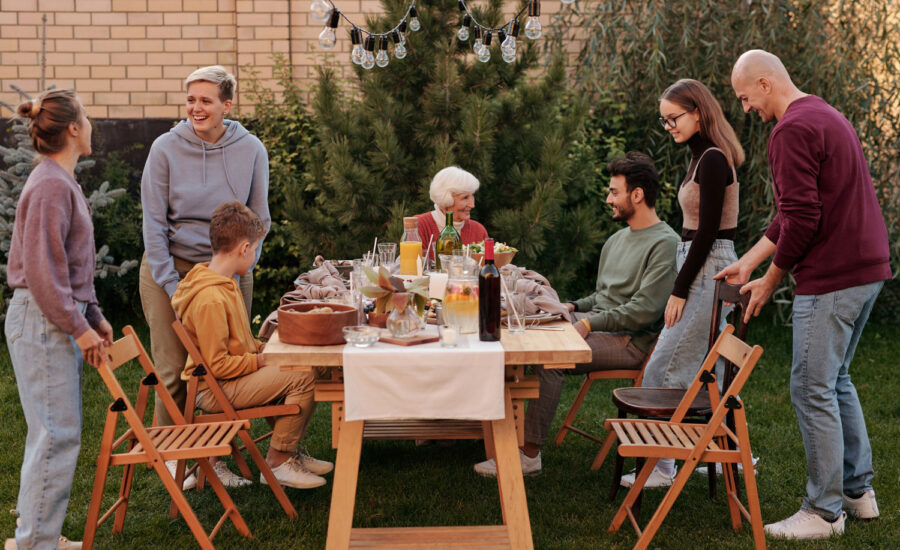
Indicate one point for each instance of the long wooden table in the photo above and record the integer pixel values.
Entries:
(552, 349)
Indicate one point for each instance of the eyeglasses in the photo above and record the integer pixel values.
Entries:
(673, 121)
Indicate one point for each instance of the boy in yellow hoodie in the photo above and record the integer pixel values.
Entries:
(211, 307)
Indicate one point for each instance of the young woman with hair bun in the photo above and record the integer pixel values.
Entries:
(53, 320)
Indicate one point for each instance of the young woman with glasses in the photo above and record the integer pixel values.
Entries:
(709, 201)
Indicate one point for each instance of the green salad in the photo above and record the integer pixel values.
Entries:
(499, 248)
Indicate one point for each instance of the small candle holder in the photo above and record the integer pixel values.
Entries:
(449, 336)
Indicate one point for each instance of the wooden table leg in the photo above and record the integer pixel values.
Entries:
(509, 480)
(343, 494)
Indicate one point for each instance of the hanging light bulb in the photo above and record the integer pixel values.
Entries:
(399, 48)
(485, 54)
(508, 46)
(567, 1)
(318, 10)
(477, 44)
(533, 25)
(369, 59)
(402, 30)
(463, 33)
(327, 38)
(414, 24)
(357, 53)
(382, 59)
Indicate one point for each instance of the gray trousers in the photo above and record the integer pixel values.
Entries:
(610, 351)
(169, 356)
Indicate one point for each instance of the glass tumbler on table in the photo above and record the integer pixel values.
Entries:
(387, 253)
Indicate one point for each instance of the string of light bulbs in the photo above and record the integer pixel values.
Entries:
(365, 41)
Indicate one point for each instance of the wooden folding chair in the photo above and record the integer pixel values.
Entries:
(154, 445)
(693, 443)
(661, 402)
(568, 425)
(201, 373)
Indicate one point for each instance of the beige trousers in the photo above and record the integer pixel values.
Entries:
(264, 386)
(169, 355)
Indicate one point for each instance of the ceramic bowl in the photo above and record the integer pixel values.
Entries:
(361, 336)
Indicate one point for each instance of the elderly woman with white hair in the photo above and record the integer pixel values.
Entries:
(452, 190)
(202, 162)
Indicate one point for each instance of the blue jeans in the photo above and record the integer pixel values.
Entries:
(681, 348)
(827, 328)
(47, 364)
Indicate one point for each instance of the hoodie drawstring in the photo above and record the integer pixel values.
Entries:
(203, 145)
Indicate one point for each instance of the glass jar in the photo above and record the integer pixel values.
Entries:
(403, 322)
(460, 305)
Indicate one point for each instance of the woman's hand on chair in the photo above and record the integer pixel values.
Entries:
(673, 310)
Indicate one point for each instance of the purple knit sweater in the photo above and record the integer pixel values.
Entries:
(52, 252)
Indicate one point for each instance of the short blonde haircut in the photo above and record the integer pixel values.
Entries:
(452, 179)
(218, 76)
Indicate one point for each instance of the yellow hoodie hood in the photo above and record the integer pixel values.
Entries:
(212, 310)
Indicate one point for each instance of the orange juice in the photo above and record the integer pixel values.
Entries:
(409, 251)
(460, 307)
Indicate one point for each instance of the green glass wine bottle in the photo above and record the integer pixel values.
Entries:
(448, 240)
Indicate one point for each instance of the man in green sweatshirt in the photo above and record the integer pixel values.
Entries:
(622, 318)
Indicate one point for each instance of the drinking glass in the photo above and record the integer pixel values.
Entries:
(515, 312)
(387, 253)
(449, 336)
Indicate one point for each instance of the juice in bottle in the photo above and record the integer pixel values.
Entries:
(410, 246)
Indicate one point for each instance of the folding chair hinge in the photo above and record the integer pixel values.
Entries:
(199, 370)
(707, 377)
(150, 380)
(733, 403)
(118, 405)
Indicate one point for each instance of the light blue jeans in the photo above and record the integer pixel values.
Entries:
(47, 364)
(681, 348)
(827, 328)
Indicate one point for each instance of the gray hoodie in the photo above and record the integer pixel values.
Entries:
(184, 180)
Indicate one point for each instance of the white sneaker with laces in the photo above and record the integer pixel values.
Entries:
(314, 465)
(701, 470)
(530, 466)
(864, 507)
(806, 525)
(189, 482)
(292, 473)
(656, 480)
(227, 477)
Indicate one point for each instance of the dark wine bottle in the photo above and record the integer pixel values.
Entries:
(489, 297)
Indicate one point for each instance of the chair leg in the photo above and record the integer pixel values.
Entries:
(230, 509)
(756, 523)
(239, 459)
(573, 410)
(182, 505)
(489, 451)
(667, 502)
(179, 481)
(731, 496)
(641, 477)
(124, 495)
(711, 475)
(90, 527)
(617, 478)
(266, 471)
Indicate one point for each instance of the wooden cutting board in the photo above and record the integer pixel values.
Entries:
(420, 338)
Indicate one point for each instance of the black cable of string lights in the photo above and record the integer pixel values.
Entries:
(365, 41)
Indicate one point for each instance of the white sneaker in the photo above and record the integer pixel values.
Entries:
(701, 470)
(530, 466)
(189, 482)
(806, 525)
(63, 544)
(292, 473)
(656, 480)
(229, 478)
(314, 465)
(864, 507)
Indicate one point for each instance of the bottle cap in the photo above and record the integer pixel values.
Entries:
(410, 222)
(489, 249)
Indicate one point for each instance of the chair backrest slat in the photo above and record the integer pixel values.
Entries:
(732, 348)
(120, 352)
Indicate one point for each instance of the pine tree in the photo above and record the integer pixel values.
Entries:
(381, 138)
(19, 163)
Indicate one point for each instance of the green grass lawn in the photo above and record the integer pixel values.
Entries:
(402, 485)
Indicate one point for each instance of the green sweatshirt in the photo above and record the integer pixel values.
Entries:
(634, 280)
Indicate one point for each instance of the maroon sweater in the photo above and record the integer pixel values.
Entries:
(52, 252)
(829, 228)
(472, 231)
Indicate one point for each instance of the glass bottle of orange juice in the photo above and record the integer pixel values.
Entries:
(410, 246)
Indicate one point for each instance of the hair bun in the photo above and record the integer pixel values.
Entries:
(30, 109)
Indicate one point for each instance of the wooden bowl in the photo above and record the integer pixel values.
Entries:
(297, 325)
(500, 258)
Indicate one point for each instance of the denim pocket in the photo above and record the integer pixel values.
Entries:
(849, 303)
(15, 319)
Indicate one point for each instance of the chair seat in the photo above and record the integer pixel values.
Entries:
(184, 441)
(672, 440)
(657, 402)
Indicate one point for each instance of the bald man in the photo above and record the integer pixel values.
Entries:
(829, 231)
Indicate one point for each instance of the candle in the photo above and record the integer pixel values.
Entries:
(437, 285)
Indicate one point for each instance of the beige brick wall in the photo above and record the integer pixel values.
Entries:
(128, 58)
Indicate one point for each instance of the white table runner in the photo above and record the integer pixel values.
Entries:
(426, 381)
